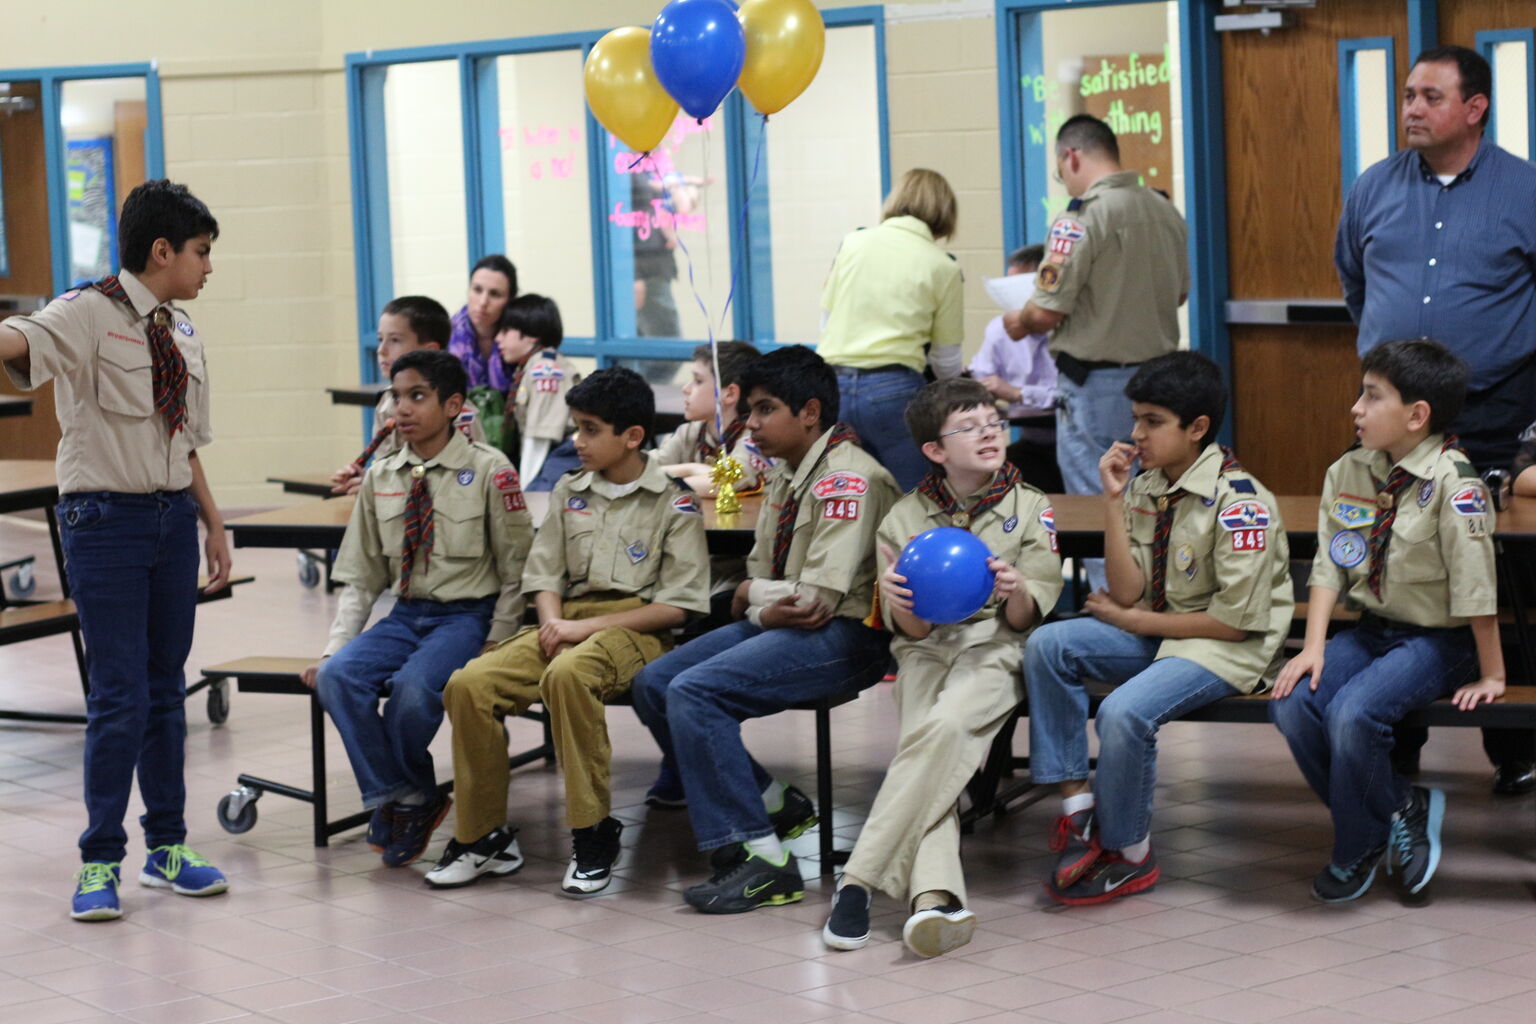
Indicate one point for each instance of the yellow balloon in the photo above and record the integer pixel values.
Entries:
(623, 91)
(785, 40)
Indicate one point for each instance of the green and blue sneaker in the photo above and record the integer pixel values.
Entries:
(96, 891)
(746, 883)
(182, 869)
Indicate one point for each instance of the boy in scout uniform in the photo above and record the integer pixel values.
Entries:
(1199, 602)
(619, 562)
(443, 525)
(131, 387)
(811, 576)
(955, 684)
(408, 323)
(1404, 533)
(537, 418)
(690, 451)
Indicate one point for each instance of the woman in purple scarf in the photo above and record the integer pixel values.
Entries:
(492, 283)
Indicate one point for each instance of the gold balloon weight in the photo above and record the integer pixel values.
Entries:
(725, 472)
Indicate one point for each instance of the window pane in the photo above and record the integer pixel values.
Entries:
(425, 144)
(823, 170)
(1373, 124)
(1512, 93)
(104, 120)
(544, 181)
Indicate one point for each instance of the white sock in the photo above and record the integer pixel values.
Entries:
(1072, 804)
(414, 800)
(768, 848)
(773, 797)
(1137, 852)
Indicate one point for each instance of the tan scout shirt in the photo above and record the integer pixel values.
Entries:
(844, 494)
(540, 402)
(1020, 529)
(468, 424)
(1228, 557)
(97, 350)
(1440, 569)
(648, 542)
(681, 446)
(1116, 265)
(481, 531)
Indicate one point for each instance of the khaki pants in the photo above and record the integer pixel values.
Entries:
(953, 699)
(573, 687)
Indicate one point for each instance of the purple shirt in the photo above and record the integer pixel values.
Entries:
(487, 371)
(1026, 364)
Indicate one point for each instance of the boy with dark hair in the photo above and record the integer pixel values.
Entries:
(408, 323)
(131, 388)
(955, 684)
(691, 450)
(618, 563)
(536, 418)
(811, 577)
(1404, 532)
(441, 523)
(1199, 602)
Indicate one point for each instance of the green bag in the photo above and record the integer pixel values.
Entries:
(491, 407)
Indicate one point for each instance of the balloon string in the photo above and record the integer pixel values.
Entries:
(677, 231)
(746, 206)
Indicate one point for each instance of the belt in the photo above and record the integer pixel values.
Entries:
(1370, 620)
(855, 371)
(1077, 370)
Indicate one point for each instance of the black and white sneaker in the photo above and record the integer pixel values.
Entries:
(937, 930)
(495, 853)
(595, 850)
(795, 815)
(847, 926)
(748, 882)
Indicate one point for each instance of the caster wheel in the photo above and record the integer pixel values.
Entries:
(23, 582)
(309, 570)
(218, 702)
(237, 810)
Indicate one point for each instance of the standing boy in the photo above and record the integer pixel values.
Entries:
(691, 450)
(619, 562)
(443, 525)
(811, 578)
(132, 395)
(955, 684)
(1199, 602)
(1404, 532)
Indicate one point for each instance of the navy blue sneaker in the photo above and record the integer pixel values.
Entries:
(96, 891)
(413, 828)
(666, 792)
(183, 870)
(1413, 848)
(381, 826)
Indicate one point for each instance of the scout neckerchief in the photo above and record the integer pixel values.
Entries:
(512, 386)
(707, 452)
(418, 528)
(1165, 504)
(1381, 530)
(169, 366)
(784, 529)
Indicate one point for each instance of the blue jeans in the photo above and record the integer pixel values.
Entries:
(874, 403)
(1058, 659)
(1090, 418)
(132, 562)
(1341, 733)
(695, 698)
(407, 657)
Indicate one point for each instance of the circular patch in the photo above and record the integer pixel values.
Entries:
(1184, 560)
(184, 327)
(1010, 524)
(466, 477)
(1347, 549)
(1426, 492)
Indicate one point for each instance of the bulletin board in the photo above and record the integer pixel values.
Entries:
(1130, 92)
(92, 190)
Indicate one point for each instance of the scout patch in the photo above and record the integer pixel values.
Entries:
(1057, 258)
(506, 479)
(1477, 526)
(1048, 277)
(1466, 469)
(1048, 520)
(755, 456)
(546, 377)
(1246, 521)
(1426, 492)
(840, 508)
(577, 505)
(1470, 501)
(636, 553)
(466, 421)
(1352, 512)
(1241, 486)
(686, 503)
(184, 327)
(840, 485)
(1010, 524)
(1347, 549)
(513, 502)
(1184, 560)
(1068, 229)
(466, 477)
(1062, 246)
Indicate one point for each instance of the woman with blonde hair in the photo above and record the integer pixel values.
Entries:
(892, 305)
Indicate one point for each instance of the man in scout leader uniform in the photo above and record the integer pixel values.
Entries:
(1116, 271)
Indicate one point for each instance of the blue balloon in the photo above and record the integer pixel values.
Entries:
(697, 49)
(946, 570)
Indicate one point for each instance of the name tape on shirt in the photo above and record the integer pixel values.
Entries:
(840, 508)
(840, 485)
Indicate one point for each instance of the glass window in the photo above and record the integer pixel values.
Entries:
(1367, 104)
(424, 141)
(104, 122)
(1511, 60)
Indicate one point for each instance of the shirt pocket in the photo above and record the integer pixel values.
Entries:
(580, 532)
(1414, 554)
(458, 529)
(1192, 558)
(125, 381)
(636, 560)
(391, 513)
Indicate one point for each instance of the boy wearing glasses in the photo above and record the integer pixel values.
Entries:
(957, 683)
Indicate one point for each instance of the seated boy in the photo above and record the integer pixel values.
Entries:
(955, 684)
(618, 563)
(812, 575)
(1404, 532)
(443, 525)
(1199, 602)
(690, 451)
(408, 324)
(537, 418)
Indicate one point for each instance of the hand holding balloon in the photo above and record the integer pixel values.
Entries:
(893, 585)
(1006, 579)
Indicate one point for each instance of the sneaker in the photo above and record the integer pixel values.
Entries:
(96, 891)
(181, 869)
(795, 816)
(1413, 847)
(1334, 884)
(595, 849)
(1109, 877)
(938, 930)
(747, 883)
(381, 826)
(667, 791)
(847, 926)
(413, 825)
(1076, 837)
(495, 853)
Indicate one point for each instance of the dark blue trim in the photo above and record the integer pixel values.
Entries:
(492, 224)
(370, 203)
(1486, 41)
(1423, 27)
(1349, 141)
(54, 162)
(475, 183)
(154, 127)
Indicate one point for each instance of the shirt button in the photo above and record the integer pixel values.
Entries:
(1439, 224)
(1433, 262)
(1426, 300)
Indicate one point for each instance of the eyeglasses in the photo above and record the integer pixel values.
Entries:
(989, 427)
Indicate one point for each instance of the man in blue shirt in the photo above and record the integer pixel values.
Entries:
(1439, 241)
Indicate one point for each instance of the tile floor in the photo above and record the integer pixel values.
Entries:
(329, 935)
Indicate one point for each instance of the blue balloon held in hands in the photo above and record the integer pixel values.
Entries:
(946, 570)
(697, 50)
